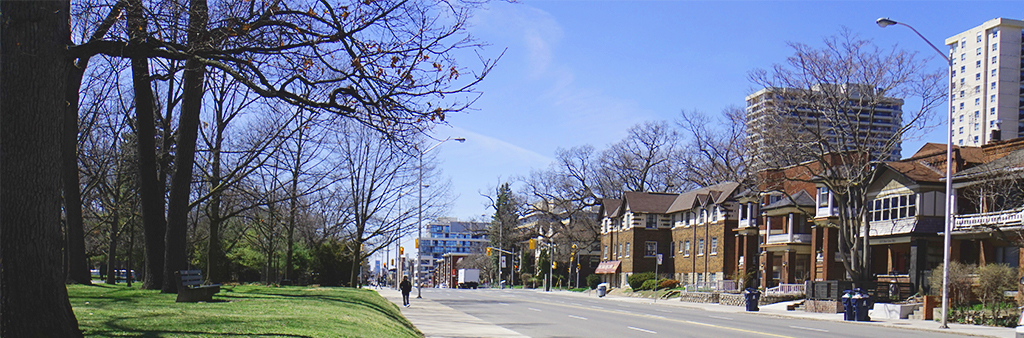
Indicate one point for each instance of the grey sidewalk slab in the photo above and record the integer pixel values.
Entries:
(438, 320)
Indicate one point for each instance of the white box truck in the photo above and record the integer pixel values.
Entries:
(469, 278)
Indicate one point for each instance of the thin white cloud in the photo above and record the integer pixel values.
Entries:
(537, 30)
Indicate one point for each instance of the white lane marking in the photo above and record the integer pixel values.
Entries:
(807, 328)
(577, 304)
(532, 309)
(626, 305)
(596, 307)
(641, 330)
(720, 317)
(657, 316)
(577, 317)
(505, 304)
(663, 310)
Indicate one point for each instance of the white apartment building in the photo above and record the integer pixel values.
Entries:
(987, 97)
(849, 117)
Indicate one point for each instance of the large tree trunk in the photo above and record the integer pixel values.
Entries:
(150, 188)
(77, 265)
(175, 257)
(33, 298)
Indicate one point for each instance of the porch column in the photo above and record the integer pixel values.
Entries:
(789, 230)
(918, 254)
(766, 269)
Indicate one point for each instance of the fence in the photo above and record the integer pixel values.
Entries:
(786, 289)
(722, 285)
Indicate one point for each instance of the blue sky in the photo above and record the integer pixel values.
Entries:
(582, 72)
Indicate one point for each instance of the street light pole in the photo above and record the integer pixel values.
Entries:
(884, 22)
(419, 212)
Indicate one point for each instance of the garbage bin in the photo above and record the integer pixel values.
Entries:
(751, 296)
(848, 311)
(602, 289)
(860, 300)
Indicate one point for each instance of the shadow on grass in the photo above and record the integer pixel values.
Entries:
(376, 307)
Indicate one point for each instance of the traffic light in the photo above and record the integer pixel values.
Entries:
(417, 243)
(533, 244)
(554, 265)
(488, 251)
(401, 250)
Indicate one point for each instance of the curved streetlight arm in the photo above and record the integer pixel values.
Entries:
(885, 22)
(419, 212)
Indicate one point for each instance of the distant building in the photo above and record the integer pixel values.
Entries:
(777, 119)
(986, 93)
(447, 236)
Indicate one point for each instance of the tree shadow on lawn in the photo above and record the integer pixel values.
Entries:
(114, 328)
(394, 315)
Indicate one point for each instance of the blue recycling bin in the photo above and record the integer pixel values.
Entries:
(848, 311)
(860, 300)
(752, 296)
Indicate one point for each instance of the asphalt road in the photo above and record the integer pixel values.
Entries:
(539, 314)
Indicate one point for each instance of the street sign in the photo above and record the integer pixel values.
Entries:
(502, 261)
(659, 259)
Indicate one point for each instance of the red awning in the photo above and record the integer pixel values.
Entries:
(608, 267)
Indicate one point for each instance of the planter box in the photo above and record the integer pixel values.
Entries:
(894, 311)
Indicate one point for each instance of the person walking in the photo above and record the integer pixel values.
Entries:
(406, 289)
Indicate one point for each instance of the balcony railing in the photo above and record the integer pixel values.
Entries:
(997, 218)
(786, 289)
(789, 238)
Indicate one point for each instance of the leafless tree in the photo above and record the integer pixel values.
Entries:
(715, 150)
(644, 160)
(830, 111)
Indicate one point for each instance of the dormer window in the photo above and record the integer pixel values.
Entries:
(652, 221)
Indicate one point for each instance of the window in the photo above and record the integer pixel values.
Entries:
(605, 252)
(963, 56)
(963, 69)
(650, 248)
(963, 43)
(995, 32)
(977, 114)
(954, 73)
(977, 76)
(975, 127)
(992, 111)
(627, 249)
(993, 85)
(994, 46)
(680, 246)
(977, 89)
(619, 253)
(979, 36)
(991, 124)
(993, 73)
(961, 116)
(893, 207)
(961, 96)
(714, 213)
(671, 249)
(977, 101)
(652, 221)
(977, 64)
(979, 51)
(700, 247)
(714, 245)
(993, 60)
(823, 196)
(961, 130)
(975, 139)
(686, 249)
(962, 81)
(992, 98)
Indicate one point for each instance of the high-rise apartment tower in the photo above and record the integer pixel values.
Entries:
(986, 90)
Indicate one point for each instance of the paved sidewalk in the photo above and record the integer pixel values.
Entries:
(437, 320)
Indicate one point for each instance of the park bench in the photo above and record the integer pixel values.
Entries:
(192, 289)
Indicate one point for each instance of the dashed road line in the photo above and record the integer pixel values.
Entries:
(720, 317)
(578, 317)
(641, 330)
(808, 328)
(532, 309)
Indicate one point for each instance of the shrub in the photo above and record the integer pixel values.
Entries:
(593, 281)
(959, 282)
(650, 284)
(668, 284)
(636, 280)
(993, 279)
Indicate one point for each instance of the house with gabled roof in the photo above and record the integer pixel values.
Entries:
(703, 221)
(634, 231)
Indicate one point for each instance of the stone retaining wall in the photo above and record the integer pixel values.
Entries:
(735, 299)
(699, 297)
(823, 306)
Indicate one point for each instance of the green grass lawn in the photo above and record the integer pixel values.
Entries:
(238, 311)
